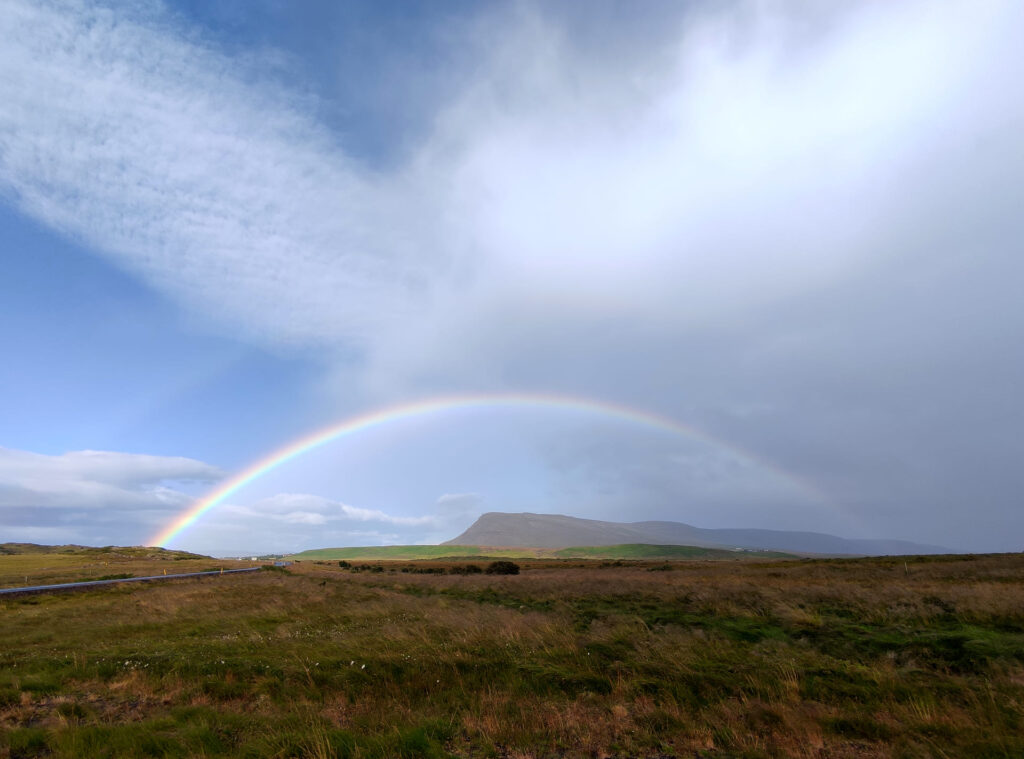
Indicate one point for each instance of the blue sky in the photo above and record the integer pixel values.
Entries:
(794, 228)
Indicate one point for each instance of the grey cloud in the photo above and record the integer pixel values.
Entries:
(234, 528)
(292, 507)
(97, 479)
(793, 227)
(93, 496)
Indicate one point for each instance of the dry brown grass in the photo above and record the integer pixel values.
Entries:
(807, 659)
(52, 568)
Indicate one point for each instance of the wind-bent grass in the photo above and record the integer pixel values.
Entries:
(852, 658)
(624, 551)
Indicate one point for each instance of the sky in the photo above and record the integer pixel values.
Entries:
(791, 230)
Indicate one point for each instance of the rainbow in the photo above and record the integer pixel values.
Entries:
(356, 424)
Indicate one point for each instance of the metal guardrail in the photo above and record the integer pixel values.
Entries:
(28, 589)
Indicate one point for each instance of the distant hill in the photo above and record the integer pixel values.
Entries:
(138, 552)
(558, 531)
(391, 553)
(648, 551)
(623, 551)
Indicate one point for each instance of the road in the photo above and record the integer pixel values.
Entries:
(28, 589)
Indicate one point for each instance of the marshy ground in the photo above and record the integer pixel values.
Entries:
(804, 658)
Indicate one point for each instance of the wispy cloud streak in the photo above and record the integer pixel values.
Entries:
(150, 146)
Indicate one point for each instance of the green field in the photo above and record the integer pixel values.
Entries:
(134, 552)
(645, 551)
(849, 658)
(30, 564)
(624, 551)
(409, 553)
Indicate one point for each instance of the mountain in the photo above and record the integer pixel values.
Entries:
(558, 531)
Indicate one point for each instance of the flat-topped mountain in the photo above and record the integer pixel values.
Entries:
(558, 531)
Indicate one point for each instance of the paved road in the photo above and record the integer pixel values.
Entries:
(95, 583)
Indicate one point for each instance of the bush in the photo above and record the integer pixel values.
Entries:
(344, 564)
(502, 568)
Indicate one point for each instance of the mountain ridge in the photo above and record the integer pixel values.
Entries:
(532, 530)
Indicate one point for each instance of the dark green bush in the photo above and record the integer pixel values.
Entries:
(502, 568)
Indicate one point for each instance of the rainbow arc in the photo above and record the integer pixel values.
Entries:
(392, 414)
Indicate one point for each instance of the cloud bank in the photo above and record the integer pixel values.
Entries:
(106, 497)
(300, 508)
(153, 148)
(793, 225)
(97, 479)
(742, 160)
(283, 523)
(93, 496)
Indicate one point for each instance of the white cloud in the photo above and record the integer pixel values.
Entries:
(735, 177)
(153, 148)
(93, 497)
(297, 521)
(550, 182)
(300, 508)
(97, 480)
(304, 517)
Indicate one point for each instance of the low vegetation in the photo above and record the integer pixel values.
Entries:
(624, 551)
(133, 552)
(28, 564)
(805, 658)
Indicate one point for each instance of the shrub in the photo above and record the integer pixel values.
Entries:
(502, 568)
(344, 564)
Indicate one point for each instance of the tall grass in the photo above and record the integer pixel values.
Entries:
(857, 658)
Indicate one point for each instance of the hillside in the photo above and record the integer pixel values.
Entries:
(24, 564)
(623, 551)
(138, 552)
(409, 553)
(659, 552)
(558, 531)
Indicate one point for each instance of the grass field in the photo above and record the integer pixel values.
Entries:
(28, 564)
(625, 551)
(807, 658)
